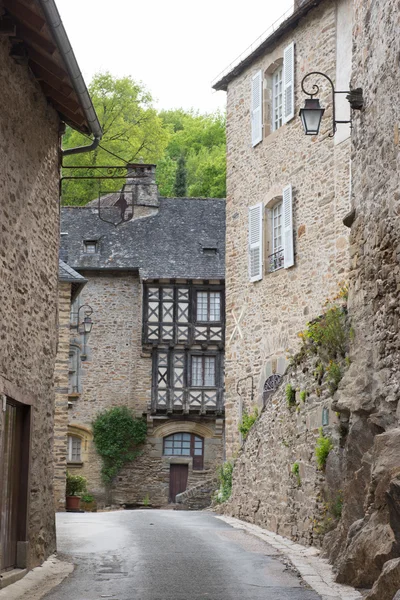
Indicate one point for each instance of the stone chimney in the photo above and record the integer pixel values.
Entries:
(141, 181)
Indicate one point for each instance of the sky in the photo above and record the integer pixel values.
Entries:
(174, 47)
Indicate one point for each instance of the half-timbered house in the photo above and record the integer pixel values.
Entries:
(155, 284)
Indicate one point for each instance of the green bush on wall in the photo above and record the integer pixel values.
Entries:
(116, 435)
(247, 422)
(323, 447)
(224, 473)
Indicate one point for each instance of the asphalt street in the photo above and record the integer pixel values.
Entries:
(169, 555)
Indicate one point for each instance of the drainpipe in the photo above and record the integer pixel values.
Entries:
(57, 29)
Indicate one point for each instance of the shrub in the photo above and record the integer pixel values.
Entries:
(75, 484)
(116, 434)
(296, 471)
(303, 396)
(323, 447)
(334, 375)
(330, 333)
(87, 498)
(224, 473)
(290, 395)
(248, 421)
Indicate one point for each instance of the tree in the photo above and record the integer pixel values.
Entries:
(132, 131)
(201, 140)
(180, 178)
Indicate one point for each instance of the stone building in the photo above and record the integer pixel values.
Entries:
(287, 195)
(155, 284)
(41, 88)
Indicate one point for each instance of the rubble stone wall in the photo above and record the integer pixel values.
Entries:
(29, 217)
(272, 311)
(369, 533)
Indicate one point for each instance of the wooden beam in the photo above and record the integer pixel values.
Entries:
(32, 37)
(44, 75)
(62, 100)
(47, 63)
(24, 14)
(76, 119)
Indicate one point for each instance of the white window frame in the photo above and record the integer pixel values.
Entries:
(71, 438)
(277, 98)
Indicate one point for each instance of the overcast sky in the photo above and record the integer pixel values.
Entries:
(175, 47)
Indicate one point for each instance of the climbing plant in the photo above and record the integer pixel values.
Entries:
(247, 422)
(117, 435)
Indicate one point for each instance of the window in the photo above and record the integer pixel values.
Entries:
(270, 386)
(203, 371)
(277, 99)
(256, 242)
(74, 448)
(276, 258)
(185, 444)
(208, 306)
(90, 246)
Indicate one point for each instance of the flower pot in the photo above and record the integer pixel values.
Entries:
(72, 502)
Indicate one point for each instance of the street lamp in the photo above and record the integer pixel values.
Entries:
(85, 327)
(311, 114)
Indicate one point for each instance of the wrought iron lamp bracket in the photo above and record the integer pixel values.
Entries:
(87, 312)
(252, 386)
(354, 97)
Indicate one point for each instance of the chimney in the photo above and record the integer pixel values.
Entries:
(141, 181)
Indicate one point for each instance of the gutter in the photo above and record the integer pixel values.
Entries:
(60, 36)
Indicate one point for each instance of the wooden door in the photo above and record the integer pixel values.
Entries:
(13, 482)
(178, 476)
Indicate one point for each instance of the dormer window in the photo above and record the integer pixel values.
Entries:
(90, 246)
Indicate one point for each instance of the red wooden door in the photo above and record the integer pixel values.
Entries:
(178, 476)
(13, 483)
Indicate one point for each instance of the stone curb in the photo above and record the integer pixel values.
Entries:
(315, 571)
(39, 581)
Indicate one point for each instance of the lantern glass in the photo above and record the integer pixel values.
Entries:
(311, 116)
(87, 324)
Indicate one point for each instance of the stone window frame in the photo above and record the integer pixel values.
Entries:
(71, 439)
(85, 435)
(268, 96)
(268, 235)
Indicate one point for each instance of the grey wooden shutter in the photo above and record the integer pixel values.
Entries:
(256, 108)
(255, 242)
(288, 227)
(288, 83)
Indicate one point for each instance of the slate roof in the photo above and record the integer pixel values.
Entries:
(166, 245)
(67, 273)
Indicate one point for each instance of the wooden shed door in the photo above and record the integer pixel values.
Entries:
(13, 482)
(178, 476)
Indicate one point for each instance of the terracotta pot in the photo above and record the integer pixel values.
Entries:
(72, 502)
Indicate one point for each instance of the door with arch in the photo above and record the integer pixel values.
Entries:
(187, 445)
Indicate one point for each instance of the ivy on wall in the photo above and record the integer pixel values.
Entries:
(117, 435)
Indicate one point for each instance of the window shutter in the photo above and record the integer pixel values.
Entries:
(256, 108)
(255, 242)
(288, 227)
(288, 83)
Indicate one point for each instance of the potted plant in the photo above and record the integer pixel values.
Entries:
(88, 502)
(76, 484)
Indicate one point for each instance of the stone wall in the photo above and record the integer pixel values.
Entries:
(265, 489)
(61, 391)
(369, 533)
(29, 212)
(272, 311)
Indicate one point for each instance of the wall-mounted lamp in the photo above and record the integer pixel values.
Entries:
(85, 326)
(311, 114)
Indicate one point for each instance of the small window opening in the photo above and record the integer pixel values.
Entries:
(210, 251)
(270, 386)
(90, 246)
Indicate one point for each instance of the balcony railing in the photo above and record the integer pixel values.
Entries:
(276, 260)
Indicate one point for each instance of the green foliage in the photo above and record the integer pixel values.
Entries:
(303, 396)
(290, 395)
(248, 421)
(132, 130)
(180, 178)
(334, 375)
(116, 434)
(87, 498)
(323, 447)
(224, 473)
(335, 506)
(319, 372)
(201, 140)
(329, 333)
(75, 484)
(146, 500)
(296, 471)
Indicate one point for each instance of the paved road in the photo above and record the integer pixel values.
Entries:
(169, 555)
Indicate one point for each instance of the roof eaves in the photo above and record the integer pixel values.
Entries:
(221, 83)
